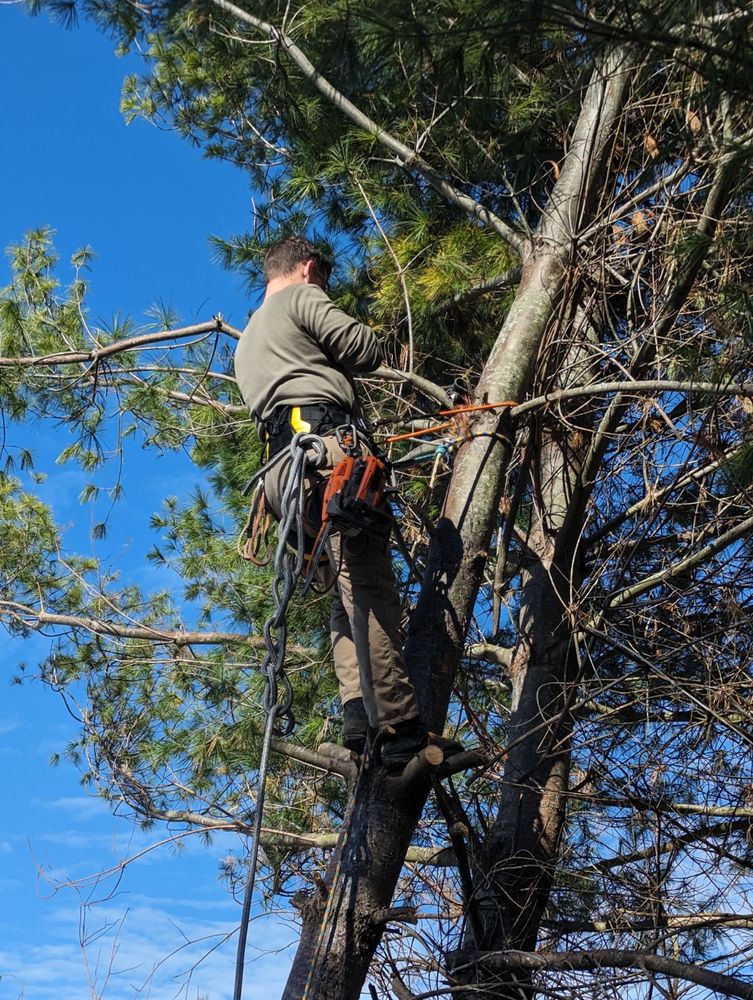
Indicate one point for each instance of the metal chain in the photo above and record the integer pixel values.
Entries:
(288, 564)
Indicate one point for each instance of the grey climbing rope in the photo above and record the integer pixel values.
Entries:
(278, 692)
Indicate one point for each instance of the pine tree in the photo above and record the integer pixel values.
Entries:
(542, 205)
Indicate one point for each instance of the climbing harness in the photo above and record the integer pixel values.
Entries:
(278, 693)
(286, 421)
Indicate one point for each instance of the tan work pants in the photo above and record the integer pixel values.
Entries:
(365, 613)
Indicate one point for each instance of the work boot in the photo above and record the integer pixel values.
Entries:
(402, 741)
(355, 725)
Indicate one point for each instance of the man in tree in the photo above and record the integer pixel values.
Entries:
(295, 365)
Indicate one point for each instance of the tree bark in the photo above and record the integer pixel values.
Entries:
(615, 958)
(514, 873)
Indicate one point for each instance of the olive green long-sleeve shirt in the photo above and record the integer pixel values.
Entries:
(299, 348)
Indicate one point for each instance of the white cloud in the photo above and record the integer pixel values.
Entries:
(147, 950)
(82, 807)
(9, 725)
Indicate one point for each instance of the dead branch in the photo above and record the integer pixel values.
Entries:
(613, 958)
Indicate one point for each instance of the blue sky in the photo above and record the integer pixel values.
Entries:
(145, 202)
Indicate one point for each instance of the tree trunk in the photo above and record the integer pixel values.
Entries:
(339, 938)
(513, 877)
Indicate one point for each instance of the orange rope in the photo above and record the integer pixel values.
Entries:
(480, 406)
(414, 434)
(448, 423)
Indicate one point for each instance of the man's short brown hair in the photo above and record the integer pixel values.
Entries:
(285, 255)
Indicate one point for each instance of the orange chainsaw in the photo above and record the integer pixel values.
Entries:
(353, 504)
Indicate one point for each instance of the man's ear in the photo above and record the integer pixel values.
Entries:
(309, 272)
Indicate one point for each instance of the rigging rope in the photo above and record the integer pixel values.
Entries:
(278, 692)
(454, 412)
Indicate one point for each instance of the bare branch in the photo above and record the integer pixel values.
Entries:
(655, 497)
(35, 618)
(231, 409)
(612, 958)
(695, 559)
(498, 284)
(669, 308)
(430, 389)
(669, 845)
(619, 923)
(639, 386)
(216, 325)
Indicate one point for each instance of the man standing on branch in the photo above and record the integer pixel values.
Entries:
(295, 366)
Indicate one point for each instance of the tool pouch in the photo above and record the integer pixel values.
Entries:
(353, 504)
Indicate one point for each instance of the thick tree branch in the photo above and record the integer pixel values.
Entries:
(498, 284)
(432, 857)
(96, 354)
(216, 325)
(439, 857)
(489, 653)
(613, 958)
(35, 618)
(639, 386)
(319, 759)
(428, 388)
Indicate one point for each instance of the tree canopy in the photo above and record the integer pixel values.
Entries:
(541, 205)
